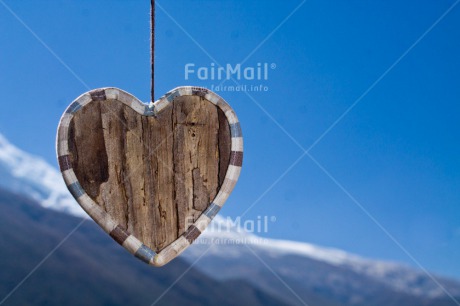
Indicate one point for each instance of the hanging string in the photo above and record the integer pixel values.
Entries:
(152, 51)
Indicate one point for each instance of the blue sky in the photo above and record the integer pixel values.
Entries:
(389, 167)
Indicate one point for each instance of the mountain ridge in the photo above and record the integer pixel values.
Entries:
(28, 175)
(89, 268)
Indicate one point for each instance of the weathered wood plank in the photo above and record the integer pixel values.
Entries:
(154, 176)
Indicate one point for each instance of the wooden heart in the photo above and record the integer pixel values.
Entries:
(152, 176)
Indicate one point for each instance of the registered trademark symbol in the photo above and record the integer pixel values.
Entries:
(273, 66)
(273, 219)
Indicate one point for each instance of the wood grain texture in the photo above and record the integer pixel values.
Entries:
(154, 176)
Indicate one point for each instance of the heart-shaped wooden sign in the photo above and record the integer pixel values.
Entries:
(152, 176)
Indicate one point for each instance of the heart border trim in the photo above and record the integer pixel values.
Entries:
(120, 235)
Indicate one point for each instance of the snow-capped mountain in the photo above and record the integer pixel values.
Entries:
(226, 252)
(294, 271)
(31, 176)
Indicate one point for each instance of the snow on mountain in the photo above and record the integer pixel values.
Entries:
(33, 177)
(234, 252)
(223, 245)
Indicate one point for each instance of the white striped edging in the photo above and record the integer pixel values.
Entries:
(128, 241)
